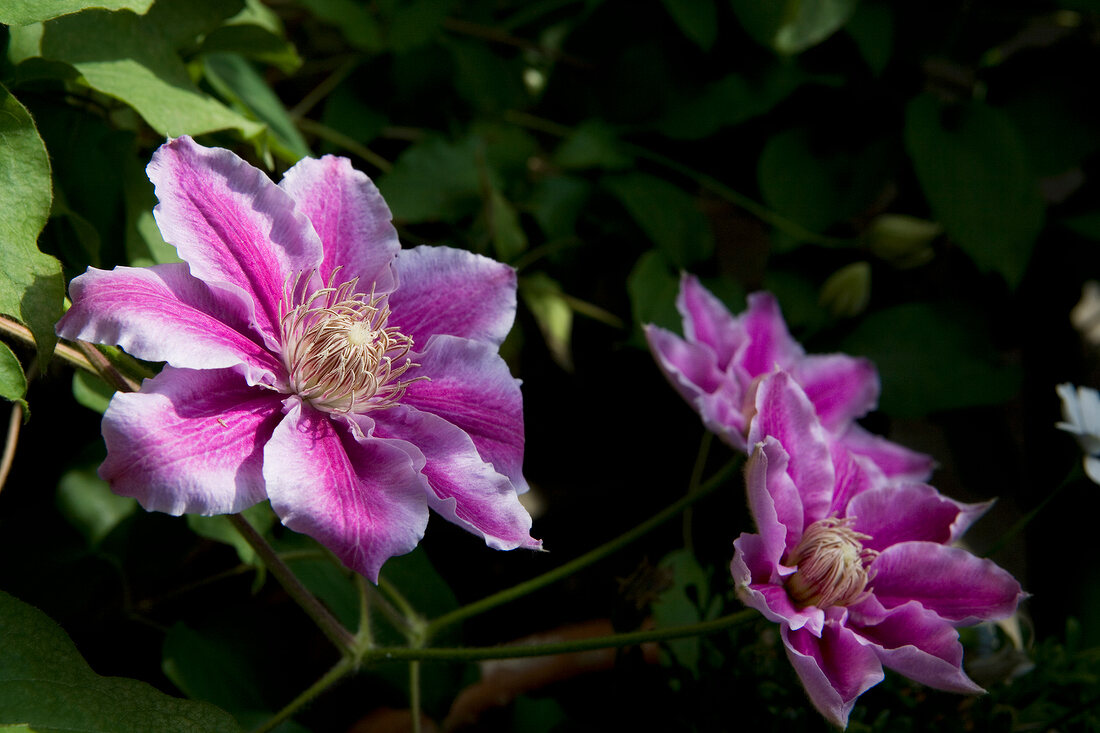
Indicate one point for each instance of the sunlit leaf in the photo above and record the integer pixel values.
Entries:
(543, 296)
(24, 12)
(46, 684)
(31, 284)
(91, 391)
(792, 26)
(957, 367)
(666, 214)
(128, 57)
(973, 168)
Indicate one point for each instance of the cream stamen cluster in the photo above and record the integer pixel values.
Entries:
(832, 565)
(341, 355)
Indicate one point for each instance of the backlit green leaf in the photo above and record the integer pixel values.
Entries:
(24, 12)
(13, 383)
(46, 684)
(89, 504)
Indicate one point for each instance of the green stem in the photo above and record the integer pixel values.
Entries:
(564, 571)
(345, 665)
(693, 485)
(347, 143)
(414, 694)
(1073, 476)
(63, 351)
(321, 616)
(633, 638)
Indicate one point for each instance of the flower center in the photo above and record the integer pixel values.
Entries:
(341, 355)
(832, 565)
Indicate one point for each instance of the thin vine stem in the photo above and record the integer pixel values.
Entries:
(563, 571)
(10, 443)
(63, 351)
(321, 616)
(512, 651)
(341, 668)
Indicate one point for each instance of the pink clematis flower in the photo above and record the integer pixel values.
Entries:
(721, 359)
(858, 570)
(311, 361)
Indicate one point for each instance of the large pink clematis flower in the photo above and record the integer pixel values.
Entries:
(311, 361)
(721, 359)
(858, 570)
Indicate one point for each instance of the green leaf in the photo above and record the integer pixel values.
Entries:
(218, 528)
(653, 285)
(668, 216)
(25, 12)
(324, 576)
(46, 684)
(698, 19)
(489, 82)
(89, 504)
(256, 33)
(13, 382)
(543, 296)
(32, 288)
(352, 19)
(414, 23)
(434, 179)
(557, 202)
(591, 144)
(211, 669)
(234, 78)
(957, 368)
(792, 26)
(683, 604)
(973, 168)
(91, 391)
(509, 239)
(1087, 225)
(128, 57)
(872, 29)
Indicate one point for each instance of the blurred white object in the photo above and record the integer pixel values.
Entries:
(1085, 316)
(1081, 416)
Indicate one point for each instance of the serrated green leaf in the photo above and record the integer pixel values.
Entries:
(973, 168)
(45, 683)
(543, 296)
(920, 375)
(698, 19)
(234, 78)
(13, 382)
(434, 179)
(128, 57)
(89, 504)
(668, 216)
(32, 288)
(24, 12)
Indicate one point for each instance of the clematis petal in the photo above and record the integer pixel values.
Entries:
(895, 461)
(361, 497)
(468, 384)
(774, 500)
(759, 585)
(190, 441)
(784, 412)
(691, 369)
(903, 512)
(769, 342)
(920, 645)
(161, 313)
(464, 489)
(708, 321)
(854, 476)
(842, 388)
(947, 580)
(451, 291)
(351, 218)
(232, 225)
(835, 669)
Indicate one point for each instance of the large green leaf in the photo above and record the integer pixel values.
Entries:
(89, 504)
(667, 215)
(45, 683)
(31, 285)
(24, 12)
(932, 358)
(132, 59)
(973, 168)
(434, 179)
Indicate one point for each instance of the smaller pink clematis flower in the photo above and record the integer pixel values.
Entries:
(310, 361)
(718, 364)
(858, 570)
